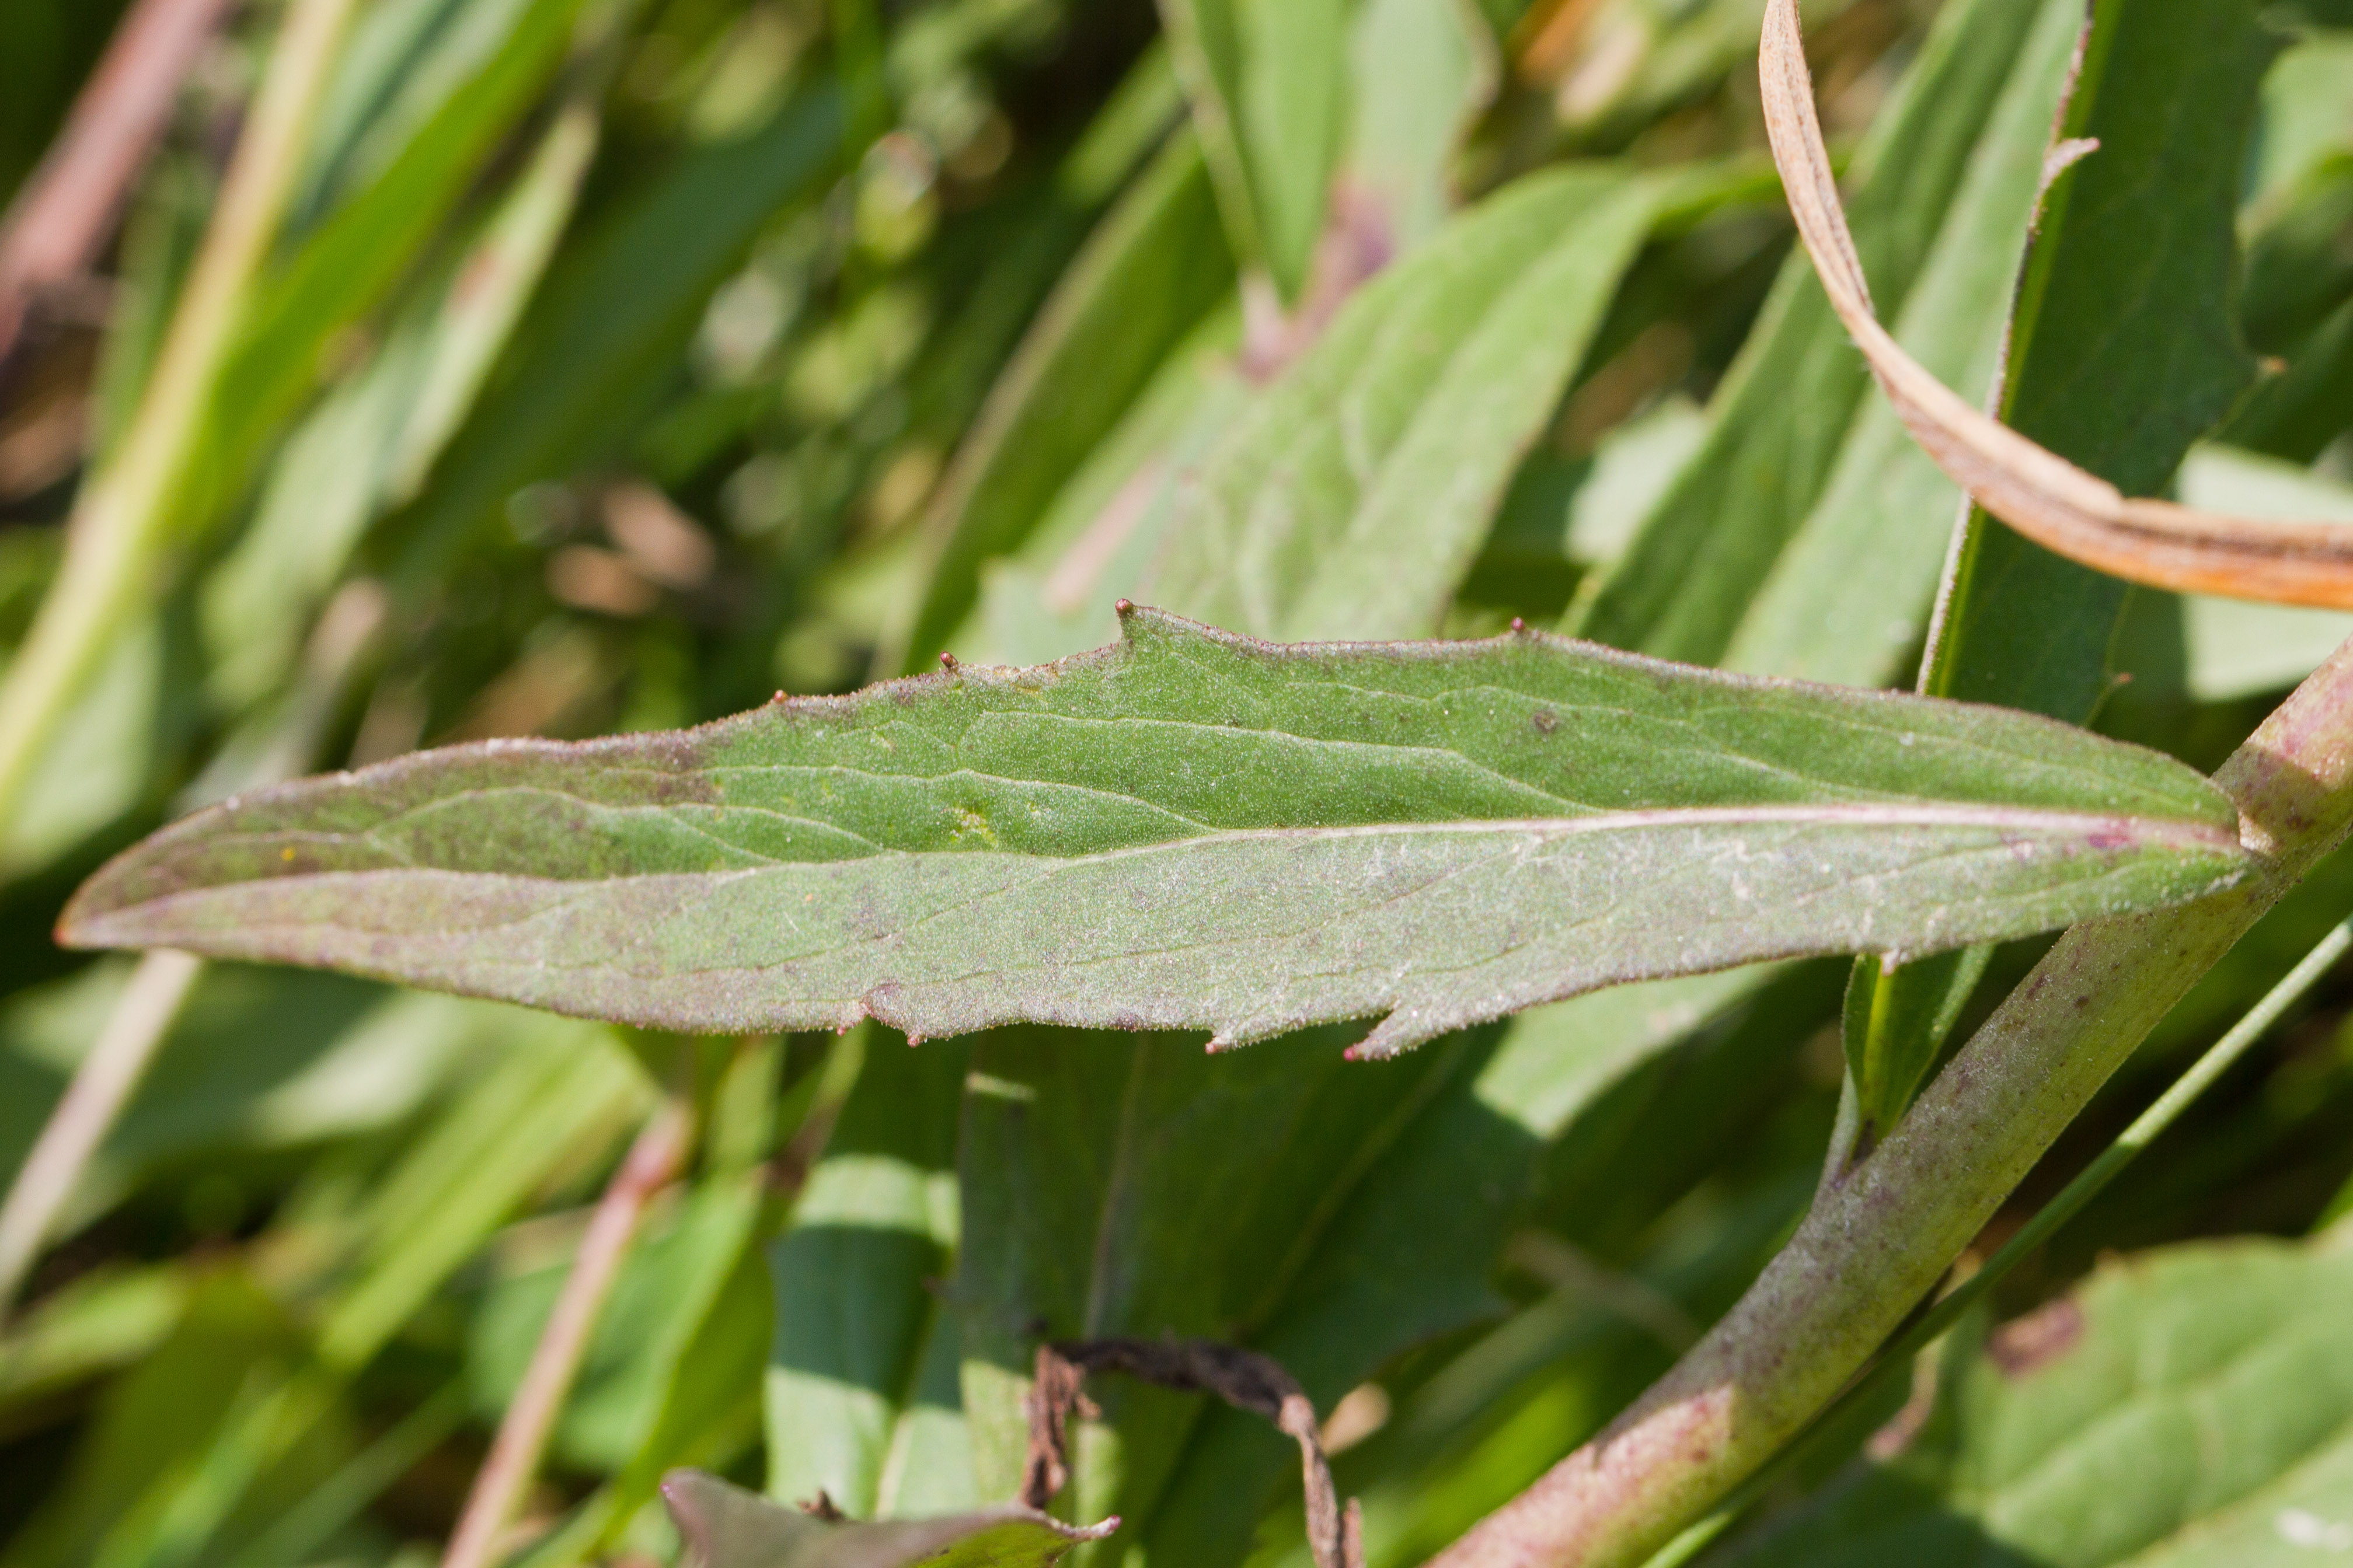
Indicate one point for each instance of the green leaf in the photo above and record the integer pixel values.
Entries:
(370, 442)
(691, 1393)
(1783, 411)
(1265, 78)
(561, 1094)
(617, 309)
(1642, 60)
(2303, 119)
(2296, 414)
(871, 1234)
(2188, 1406)
(2296, 269)
(1057, 596)
(1143, 280)
(2128, 285)
(1525, 1391)
(727, 1527)
(1293, 71)
(2237, 647)
(400, 65)
(659, 1301)
(1421, 71)
(84, 1329)
(258, 1061)
(1351, 497)
(359, 251)
(1187, 829)
(98, 763)
(1584, 1112)
(1848, 599)
(193, 1444)
(1144, 1188)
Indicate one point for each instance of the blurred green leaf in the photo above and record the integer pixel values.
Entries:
(159, 234)
(2297, 413)
(101, 761)
(1527, 1390)
(2296, 266)
(161, 1469)
(94, 1325)
(2304, 115)
(1056, 597)
(257, 1060)
(1350, 499)
(563, 1095)
(1782, 413)
(402, 64)
(617, 310)
(663, 1295)
(1265, 80)
(1643, 59)
(1848, 598)
(372, 440)
(981, 846)
(1408, 1254)
(1142, 1188)
(710, 1412)
(1153, 267)
(2236, 648)
(1420, 73)
(854, 1277)
(1287, 101)
(359, 251)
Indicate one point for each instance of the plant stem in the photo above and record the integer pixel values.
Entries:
(649, 1166)
(91, 1103)
(2145, 1129)
(61, 215)
(1878, 1241)
(116, 539)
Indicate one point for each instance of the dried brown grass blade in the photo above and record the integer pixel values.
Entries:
(1243, 1379)
(2036, 491)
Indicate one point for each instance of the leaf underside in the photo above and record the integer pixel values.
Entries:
(1186, 829)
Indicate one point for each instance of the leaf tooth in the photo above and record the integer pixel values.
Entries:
(1403, 1030)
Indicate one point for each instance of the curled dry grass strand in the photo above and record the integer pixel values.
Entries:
(2036, 491)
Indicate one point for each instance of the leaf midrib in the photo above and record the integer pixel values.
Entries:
(1873, 814)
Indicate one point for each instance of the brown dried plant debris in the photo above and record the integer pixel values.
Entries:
(2033, 489)
(1243, 1379)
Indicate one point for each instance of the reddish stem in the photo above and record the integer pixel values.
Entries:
(67, 206)
(651, 1164)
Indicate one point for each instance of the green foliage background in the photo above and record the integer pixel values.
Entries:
(630, 360)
